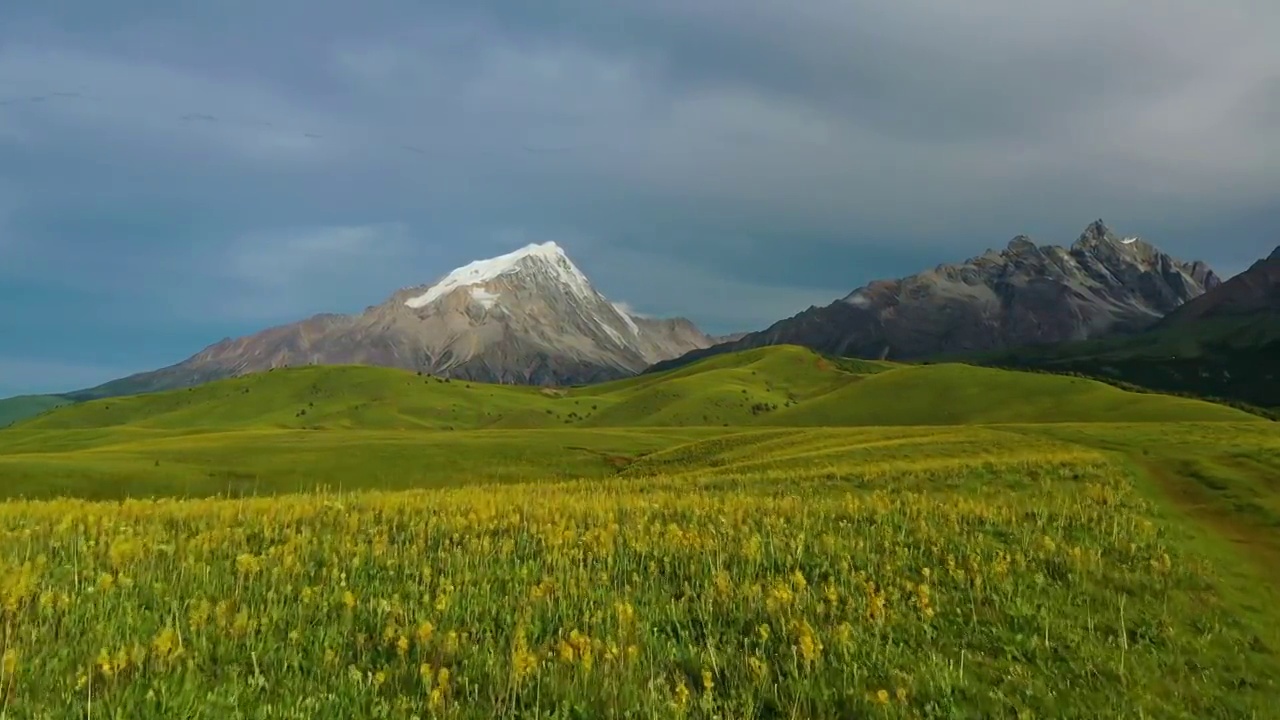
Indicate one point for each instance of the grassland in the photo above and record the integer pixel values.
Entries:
(886, 583)
(356, 427)
(24, 406)
(888, 541)
(778, 386)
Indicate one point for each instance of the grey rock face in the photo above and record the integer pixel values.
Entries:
(1025, 294)
(528, 317)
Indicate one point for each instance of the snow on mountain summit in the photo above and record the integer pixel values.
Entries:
(527, 317)
(547, 257)
(534, 296)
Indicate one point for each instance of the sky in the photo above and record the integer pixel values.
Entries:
(175, 173)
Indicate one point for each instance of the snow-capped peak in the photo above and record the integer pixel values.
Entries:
(547, 255)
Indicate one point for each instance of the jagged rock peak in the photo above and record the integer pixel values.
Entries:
(1275, 254)
(1026, 294)
(1021, 243)
(1094, 234)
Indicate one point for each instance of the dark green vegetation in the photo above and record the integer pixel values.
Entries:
(1085, 551)
(1232, 358)
(24, 406)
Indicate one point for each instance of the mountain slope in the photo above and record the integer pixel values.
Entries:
(527, 317)
(24, 406)
(775, 386)
(1254, 292)
(1025, 294)
(1224, 343)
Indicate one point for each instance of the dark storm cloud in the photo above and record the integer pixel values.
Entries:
(190, 170)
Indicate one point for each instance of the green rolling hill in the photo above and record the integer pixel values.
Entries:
(352, 426)
(22, 407)
(773, 386)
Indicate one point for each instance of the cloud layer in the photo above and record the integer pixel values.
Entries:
(169, 176)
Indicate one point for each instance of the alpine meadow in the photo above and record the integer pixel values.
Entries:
(768, 533)
(635, 360)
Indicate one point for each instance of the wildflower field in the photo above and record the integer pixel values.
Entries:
(970, 589)
(769, 534)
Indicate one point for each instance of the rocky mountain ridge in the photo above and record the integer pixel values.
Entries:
(1223, 344)
(1023, 295)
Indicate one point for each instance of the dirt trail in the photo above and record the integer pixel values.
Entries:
(1237, 504)
(1253, 540)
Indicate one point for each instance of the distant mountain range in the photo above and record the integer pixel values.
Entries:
(527, 317)
(1109, 306)
(1025, 294)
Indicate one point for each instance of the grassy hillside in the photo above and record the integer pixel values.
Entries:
(359, 427)
(87, 464)
(25, 406)
(1233, 358)
(320, 396)
(265, 462)
(732, 389)
(778, 386)
(964, 394)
